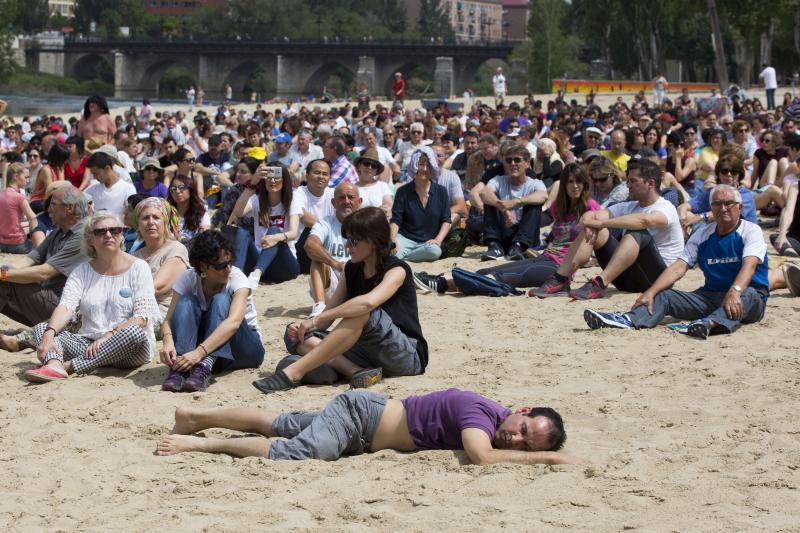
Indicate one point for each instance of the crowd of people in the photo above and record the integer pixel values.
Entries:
(146, 235)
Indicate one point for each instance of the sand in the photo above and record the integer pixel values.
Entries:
(684, 434)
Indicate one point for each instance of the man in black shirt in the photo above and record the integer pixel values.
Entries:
(459, 164)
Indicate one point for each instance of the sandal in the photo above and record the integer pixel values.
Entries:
(366, 378)
(276, 382)
(787, 250)
(44, 374)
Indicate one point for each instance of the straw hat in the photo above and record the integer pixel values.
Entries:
(371, 155)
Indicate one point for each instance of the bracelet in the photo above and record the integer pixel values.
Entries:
(520, 202)
(204, 348)
(50, 328)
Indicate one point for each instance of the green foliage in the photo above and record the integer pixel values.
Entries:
(262, 82)
(29, 16)
(550, 50)
(434, 20)
(110, 15)
(174, 82)
(28, 82)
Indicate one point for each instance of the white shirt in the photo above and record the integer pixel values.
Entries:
(190, 283)
(113, 199)
(319, 206)
(277, 219)
(499, 83)
(770, 80)
(107, 301)
(314, 152)
(329, 231)
(372, 196)
(669, 240)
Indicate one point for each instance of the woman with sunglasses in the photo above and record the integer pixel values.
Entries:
(151, 182)
(191, 209)
(270, 253)
(379, 333)
(608, 187)
(373, 192)
(184, 163)
(769, 161)
(573, 199)
(245, 169)
(33, 161)
(212, 323)
(114, 294)
(742, 138)
(52, 171)
(681, 162)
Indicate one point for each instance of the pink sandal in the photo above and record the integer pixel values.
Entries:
(43, 374)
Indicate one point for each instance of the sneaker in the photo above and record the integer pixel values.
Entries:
(791, 273)
(698, 329)
(198, 379)
(515, 253)
(254, 279)
(596, 320)
(427, 283)
(317, 309)
(174, 381)
(551, 287)
(494, 252)
(366, 378)
(590, 291)
(276, 382)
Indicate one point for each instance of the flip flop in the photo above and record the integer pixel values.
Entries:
(43, 374)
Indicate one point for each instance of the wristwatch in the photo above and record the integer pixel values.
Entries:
(3, 272)
(737, 288)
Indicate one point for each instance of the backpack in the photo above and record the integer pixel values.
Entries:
(476, 284)
(455, 243)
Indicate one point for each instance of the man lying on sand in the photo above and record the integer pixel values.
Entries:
(360, 421)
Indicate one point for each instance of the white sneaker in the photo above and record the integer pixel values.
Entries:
(317, 309)
(254, 279)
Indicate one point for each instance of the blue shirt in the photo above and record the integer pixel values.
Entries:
(418, 223)
(720, 257)
(701, 204)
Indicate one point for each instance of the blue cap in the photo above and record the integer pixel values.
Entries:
(283, 138)
(587, 122)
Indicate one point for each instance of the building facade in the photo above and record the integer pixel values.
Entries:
(65, 8)
(475, 21)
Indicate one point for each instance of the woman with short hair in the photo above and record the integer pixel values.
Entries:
(114, 294)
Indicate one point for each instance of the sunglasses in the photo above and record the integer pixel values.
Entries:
(370, 164)
(726, 203)
(33, 156)
(178, 188)
(221, 265)
(514, 160)
(100, 232)
(351, 243)
(726, 171)
(602, 179)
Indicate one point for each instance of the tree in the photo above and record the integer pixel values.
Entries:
(434, 21)
(31, 16)
(549, 51)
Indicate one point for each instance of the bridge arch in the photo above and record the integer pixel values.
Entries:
(180, 72)
(418, 75)
(93, 66)
(251, 76)
(335, 76)
(476, 74)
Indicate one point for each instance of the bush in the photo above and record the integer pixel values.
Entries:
(25, 81)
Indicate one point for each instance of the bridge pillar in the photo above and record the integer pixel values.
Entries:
(443, 77)
(123, 77)
(366, 73)
(291, 76)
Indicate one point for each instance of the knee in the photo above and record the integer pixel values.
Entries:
(220, 303)
(187, 303)
(136, 334)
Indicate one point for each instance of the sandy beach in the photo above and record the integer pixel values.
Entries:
(684, 434)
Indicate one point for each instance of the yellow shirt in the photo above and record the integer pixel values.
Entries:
(620, 161)
(707, 158)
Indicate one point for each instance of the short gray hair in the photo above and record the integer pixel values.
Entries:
(72, 196)
(87, 246)
(725, 188)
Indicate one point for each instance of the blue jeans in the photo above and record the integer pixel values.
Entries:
(191, 325)
(416, 252)
(770, 98)
(22, 248)
(277, 264)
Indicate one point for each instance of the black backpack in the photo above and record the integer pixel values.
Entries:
(476, 284)
(455, 243)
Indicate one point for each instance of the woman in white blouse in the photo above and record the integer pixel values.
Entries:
(114, 293)
(373, 192)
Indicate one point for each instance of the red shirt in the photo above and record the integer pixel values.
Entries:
(399, 88)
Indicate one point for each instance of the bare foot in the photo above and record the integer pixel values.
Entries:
(184, 425)
(172, 444)
(9, 343)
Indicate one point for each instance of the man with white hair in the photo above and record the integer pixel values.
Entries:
(305, 151)
(732, 254)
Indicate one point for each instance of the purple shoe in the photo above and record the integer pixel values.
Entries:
(198, 379)
(174, 381)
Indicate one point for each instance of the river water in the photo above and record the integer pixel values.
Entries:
(35, 106)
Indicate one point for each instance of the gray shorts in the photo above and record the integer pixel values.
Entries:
(345, 427)
(381, 344)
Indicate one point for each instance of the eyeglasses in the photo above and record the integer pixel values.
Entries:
(100, 232)
(222, 265)
(727, 203)
(742, 130)
(370, 164)
(726, 171)
(274, 179)
(351, 243)
(189, 160)
(33, 156)
(766, 141)
(602, 179)
(415, 131)
(177, 188)
(514, 160)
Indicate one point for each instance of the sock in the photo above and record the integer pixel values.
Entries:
(601, 282)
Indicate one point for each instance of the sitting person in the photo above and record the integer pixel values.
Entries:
(512, 209)
(314, 198)
(374, 192)
(732, 254)
(379, 333)
(152, 179)
(270, 255)
(244, 175)
(110, 193)
(212, 323)
(31, 288)
(114, 294)
(787, 240)
(44, 224)
(421, 211)
(192, 211)
(647, 238)
(156, 223)
(13, 207)
(572, 202)
(326, 248)
(444, 420)
(608, 182)
(450, 181)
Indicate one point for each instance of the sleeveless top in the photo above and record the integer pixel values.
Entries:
(39, 188)
(75, 177)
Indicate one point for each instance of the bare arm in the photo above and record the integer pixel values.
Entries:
(31, 274)
(361, 305)
(242, 207)
(317, 252)
(30, 215)
(479, 449)
(634, 221)
(167, 274)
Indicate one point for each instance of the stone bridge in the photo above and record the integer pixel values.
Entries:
(300, 68)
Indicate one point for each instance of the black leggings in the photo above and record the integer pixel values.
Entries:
(526, 273)
(644, 271)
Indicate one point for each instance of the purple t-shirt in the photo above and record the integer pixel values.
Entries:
(159, 189)
(435, 420)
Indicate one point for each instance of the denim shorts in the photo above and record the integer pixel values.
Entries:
(345, 427)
